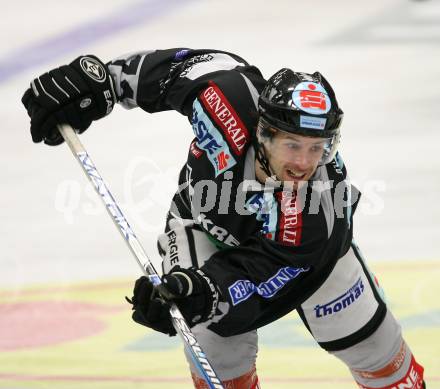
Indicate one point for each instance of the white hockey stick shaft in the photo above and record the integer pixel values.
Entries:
(139, 254)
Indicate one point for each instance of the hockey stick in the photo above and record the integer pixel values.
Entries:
(139, 254)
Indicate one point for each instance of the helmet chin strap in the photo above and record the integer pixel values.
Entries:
(264, 162)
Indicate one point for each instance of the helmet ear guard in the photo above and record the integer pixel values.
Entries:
(264, 131)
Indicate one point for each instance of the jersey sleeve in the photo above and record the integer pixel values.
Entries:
(258, 283)
(169, 79)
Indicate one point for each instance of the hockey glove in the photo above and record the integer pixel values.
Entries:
(192, 291)
(75, 94)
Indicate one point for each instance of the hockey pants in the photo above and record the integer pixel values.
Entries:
(347, 316)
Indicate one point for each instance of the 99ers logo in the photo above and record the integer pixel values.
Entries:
(312, 98)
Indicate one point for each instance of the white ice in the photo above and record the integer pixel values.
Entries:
(382, 57)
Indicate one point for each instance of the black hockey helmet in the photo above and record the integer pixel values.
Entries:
(304, 104)
(301, 103)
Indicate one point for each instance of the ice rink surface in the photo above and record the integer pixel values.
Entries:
(383, 60)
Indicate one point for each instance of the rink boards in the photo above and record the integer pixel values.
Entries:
(81, 336)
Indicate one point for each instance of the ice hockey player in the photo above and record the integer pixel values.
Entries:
(262, 220)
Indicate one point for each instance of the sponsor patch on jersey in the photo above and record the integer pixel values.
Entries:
(266, 209)
(192, 62)
(210, 140)
(290, 224)
(342, 302)
(195, 150)
(219, 233)
(202, 64)
(312, 122)
(226, 117)
(222, 161)
(241, 290)
(311, 98)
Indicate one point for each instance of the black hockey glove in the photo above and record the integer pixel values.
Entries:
(192, 291)
(75, 94)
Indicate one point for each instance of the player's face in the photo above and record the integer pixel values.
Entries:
(294, 158)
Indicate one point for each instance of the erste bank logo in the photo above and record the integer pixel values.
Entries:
(210, 140)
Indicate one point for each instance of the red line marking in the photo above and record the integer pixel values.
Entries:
(287, 380)
(23, 377)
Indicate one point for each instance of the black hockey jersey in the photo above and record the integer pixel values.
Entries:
(278, 245)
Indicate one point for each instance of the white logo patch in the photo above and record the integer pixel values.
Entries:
(93, 69)
(312, 98)
(343, 304)
(312, 122)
